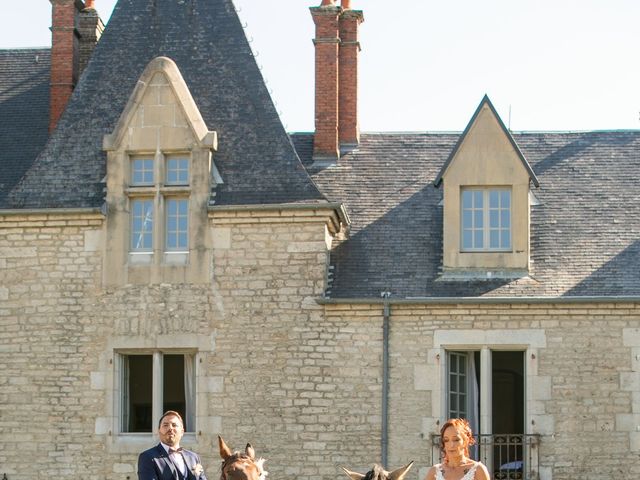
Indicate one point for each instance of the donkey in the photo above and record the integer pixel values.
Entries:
(240, 466)
(379, 473)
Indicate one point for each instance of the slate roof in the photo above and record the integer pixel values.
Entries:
(255, 157)
(24, 111)
(585, 234)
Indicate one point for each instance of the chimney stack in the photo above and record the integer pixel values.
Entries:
(64, 57)
(90, 27)
(75, 30)
(336, 79)
(349, 131)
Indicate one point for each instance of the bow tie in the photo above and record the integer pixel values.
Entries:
(175, 450)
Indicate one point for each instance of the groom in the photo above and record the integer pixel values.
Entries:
(167, 461)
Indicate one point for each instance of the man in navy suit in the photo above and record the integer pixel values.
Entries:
(167, 461)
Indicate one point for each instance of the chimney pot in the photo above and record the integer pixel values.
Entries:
(328, 3)
(89, 4)
(346, 4)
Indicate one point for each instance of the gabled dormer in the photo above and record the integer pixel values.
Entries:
(160, 171)
(486, 201)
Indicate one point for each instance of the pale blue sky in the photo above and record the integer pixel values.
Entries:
(425, 65)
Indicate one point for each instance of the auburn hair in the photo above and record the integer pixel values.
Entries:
(463, 428)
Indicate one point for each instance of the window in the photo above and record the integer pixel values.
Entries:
(152, 383)
(177, 171)
(159, 189)
(142, 225)
(177, 224)
(486, 219)
(495, 377)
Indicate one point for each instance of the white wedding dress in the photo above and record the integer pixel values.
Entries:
(467, 476)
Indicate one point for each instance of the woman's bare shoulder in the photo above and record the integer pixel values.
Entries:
(481, 472)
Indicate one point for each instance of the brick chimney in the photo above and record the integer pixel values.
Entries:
(336, 79)
(64, 57)
(75, 30)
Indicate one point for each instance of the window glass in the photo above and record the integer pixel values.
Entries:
(457, 362)
(174, 383)
(142, 171)
(142, 225)
(137, 393)
(486, 219)
(177, 224)
(177, 171)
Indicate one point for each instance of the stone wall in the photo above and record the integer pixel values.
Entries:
(300, 380)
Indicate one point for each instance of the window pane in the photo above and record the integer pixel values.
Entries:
(506, 239)
(466, 199)
(182, 240)
(142, 171)
(505, 219)
(494, 199)
(494, 217)
(478, 239)
(505, 199)
(177, 224)
(467, 219)
(467, 237)
(173, 385)
(478, 219)
(477, 198)
(142, 225)
(494, 239)
(453, 382)
(177, 171)
(137, 390)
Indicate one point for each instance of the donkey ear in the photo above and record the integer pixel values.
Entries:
(353, 475)
(399, 473)
(225, 452)
(250, 451)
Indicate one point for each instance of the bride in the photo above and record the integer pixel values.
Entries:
(455, 439)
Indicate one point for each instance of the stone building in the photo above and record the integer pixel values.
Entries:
(330, 297)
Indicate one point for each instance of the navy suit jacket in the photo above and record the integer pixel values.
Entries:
(155, 464)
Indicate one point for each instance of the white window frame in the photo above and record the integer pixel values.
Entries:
(168, 232)
(156, 394)
(135, 234)
(132, 163)
(486, 214)
(161, 191)
(170, 158)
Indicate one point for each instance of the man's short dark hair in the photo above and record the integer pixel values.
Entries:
(169, 413)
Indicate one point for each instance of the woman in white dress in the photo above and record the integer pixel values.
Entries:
(455, 438)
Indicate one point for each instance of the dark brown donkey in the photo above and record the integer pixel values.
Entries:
(239, 465)
(379, 473)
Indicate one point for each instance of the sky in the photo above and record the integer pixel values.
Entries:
(426, 64)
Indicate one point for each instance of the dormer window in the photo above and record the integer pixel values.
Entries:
(159, 171)
(486, 209)
(486, 219)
